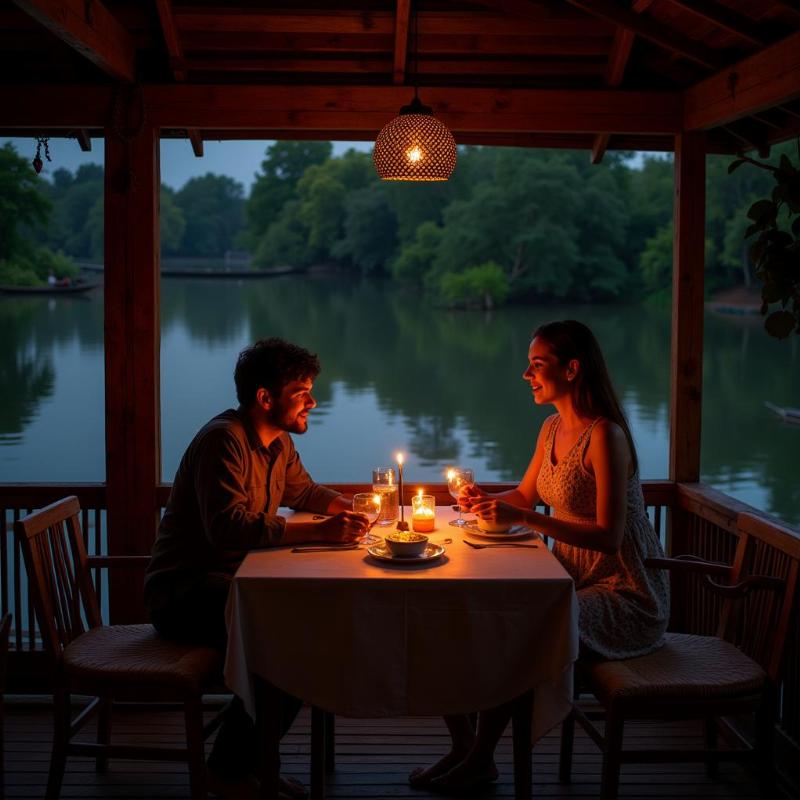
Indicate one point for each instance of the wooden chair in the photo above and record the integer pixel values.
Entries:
(109, 663)
(5, 629)
(704, 677)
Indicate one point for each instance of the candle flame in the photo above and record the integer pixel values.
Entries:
(419, 492)
(451, 473)
(399, 458)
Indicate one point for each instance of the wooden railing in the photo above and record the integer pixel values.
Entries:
(689, 518)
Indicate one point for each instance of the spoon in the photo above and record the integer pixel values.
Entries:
(497, 544)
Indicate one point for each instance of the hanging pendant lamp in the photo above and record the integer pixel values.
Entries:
(415, 146)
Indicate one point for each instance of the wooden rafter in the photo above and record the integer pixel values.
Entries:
(84, 140)
(723, 17)
(196, 139)
(652, 31)
(768, 79)
(89, 28)
(170, 32)
(401, 21)
(353, 108)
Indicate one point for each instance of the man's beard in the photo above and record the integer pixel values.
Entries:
(278, 417)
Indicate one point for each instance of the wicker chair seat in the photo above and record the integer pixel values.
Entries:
(687, 667)
(116, 654)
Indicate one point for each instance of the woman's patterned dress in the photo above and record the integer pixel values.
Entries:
(624, 606)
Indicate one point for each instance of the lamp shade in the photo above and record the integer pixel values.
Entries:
(414, 146)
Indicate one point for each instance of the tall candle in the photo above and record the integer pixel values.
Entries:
(402, 525)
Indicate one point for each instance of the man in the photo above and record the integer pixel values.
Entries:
(237, 471)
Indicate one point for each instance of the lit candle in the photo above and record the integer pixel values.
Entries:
(423, 515)
(402, 525)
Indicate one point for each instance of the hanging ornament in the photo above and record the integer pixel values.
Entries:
(37, 159)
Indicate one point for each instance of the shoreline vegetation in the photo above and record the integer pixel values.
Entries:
(513, 225)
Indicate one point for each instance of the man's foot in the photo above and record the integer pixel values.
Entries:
(421, 777)
(465, 778)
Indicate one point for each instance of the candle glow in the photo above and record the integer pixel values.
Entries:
(423, 516)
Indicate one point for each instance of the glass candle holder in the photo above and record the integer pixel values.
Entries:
(385, 485)
(423, 512)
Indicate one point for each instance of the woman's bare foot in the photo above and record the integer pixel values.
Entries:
(421, 777)
(465, 777)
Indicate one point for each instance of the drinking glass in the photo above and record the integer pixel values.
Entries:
(385, 485)
(369, 505)
(458, 479)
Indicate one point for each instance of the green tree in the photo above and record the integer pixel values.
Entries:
(213, 212)
(282, 168)
(370, 230)
(416, 258)
(482, 286)
(21, 203)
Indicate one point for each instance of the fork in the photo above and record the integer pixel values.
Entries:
(497, 544)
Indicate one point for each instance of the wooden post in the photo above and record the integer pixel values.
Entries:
(131, 278)
(686, 370)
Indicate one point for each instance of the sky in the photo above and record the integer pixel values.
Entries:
(238, 159)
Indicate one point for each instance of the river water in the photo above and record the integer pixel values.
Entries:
(398, 374)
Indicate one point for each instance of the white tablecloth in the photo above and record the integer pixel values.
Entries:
(362, 638)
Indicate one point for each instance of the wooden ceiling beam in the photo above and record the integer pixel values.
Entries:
(651, 31)
(762, 81)
(328, 108)
(196, 43)
(196, 139)
(171, 40)
(401, 20)
(617, 61)
(723, 17)
(89, 28)
(342, 22)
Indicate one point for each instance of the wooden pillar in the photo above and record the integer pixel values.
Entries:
(133, 446)
(686, 369)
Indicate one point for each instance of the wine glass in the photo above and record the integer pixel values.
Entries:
(369, 505)
(458, 479)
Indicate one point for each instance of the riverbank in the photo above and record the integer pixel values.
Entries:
(737, 300)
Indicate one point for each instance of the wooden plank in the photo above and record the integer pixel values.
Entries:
(765, 80)
(617, 61)
(90, 29)
(723, 17)
(651, 31)
(401, 20)
(132, 379)
(171, 40)
(370, 107)
(686, 363)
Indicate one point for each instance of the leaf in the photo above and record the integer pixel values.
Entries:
(751, 229)
(757, 250)
(780, 324)
(763, 210)
(785, 165)
(795, 228)
(734, 165)
(772, 293)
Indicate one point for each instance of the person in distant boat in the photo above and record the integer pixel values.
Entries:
(236, 472)
(585, 468)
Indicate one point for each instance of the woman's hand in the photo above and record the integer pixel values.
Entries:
(494, 510)
(468, 496)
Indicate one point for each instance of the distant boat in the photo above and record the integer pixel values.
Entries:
(786, 414)
(73, 288)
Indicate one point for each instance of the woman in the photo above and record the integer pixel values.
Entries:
(585, 468)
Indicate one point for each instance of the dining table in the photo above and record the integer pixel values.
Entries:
(360, 634)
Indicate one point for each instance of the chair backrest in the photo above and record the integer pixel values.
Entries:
(55, 557)
(766, 566)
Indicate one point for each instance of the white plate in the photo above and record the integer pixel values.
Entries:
(514, 532)
(382, 553)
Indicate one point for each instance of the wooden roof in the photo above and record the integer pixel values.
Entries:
(575, 73)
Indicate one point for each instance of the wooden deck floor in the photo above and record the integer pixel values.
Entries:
(373, 759)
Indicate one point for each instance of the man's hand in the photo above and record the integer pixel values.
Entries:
(346, 526)
(494, 510)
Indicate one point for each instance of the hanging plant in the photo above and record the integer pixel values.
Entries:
(775, 253)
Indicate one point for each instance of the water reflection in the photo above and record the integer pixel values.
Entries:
(397, 373)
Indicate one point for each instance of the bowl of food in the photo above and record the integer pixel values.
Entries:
(406, 545)
(488, 526)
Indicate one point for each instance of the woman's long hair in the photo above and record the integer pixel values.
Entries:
(592, 390)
